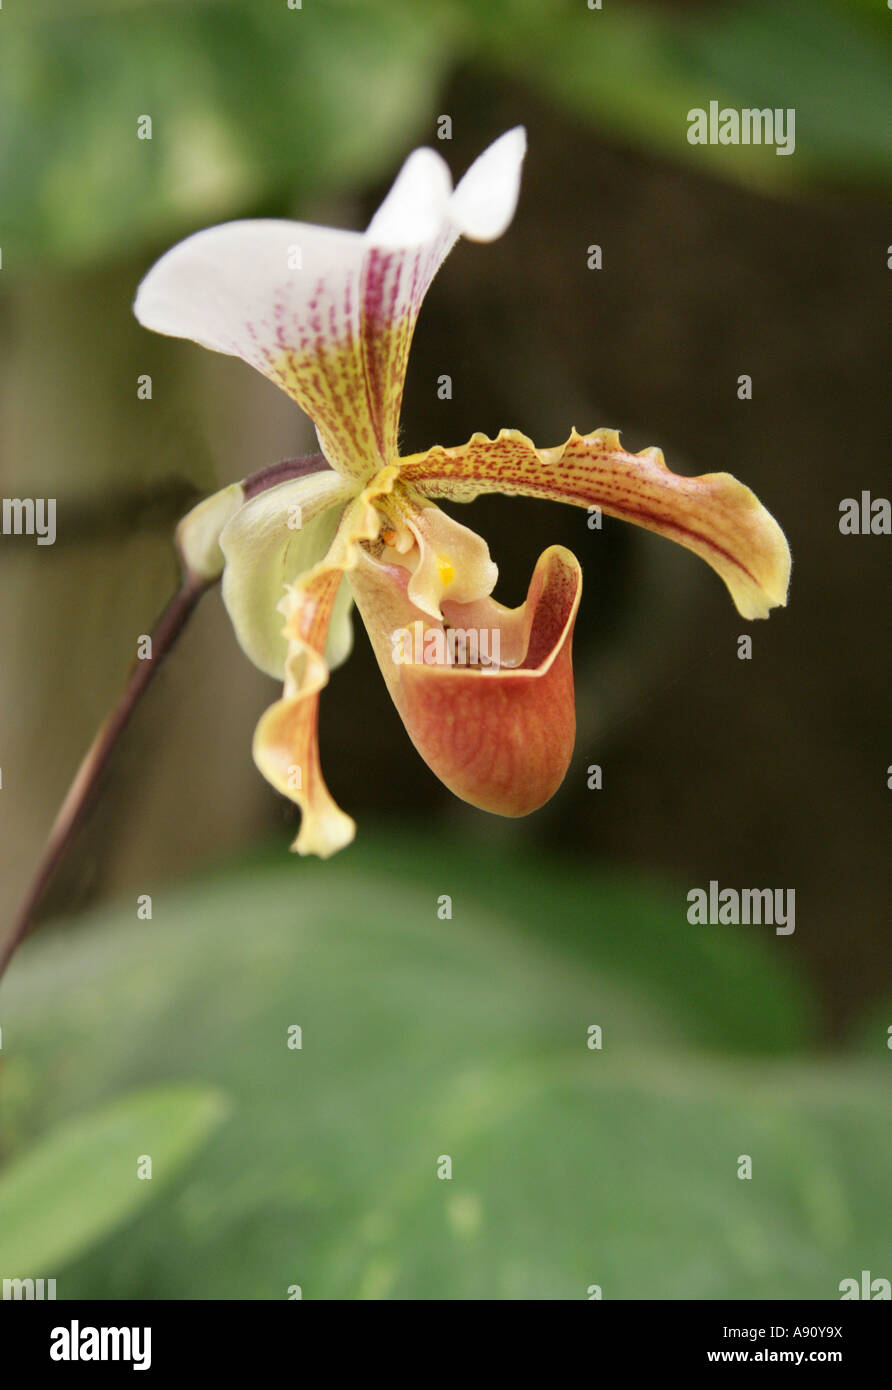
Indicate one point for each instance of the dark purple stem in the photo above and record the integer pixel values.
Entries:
(81, 793)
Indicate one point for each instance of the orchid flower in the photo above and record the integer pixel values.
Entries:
(329, 316)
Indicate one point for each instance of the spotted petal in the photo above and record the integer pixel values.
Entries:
(329, 315)
(499, 733)
(714, 515)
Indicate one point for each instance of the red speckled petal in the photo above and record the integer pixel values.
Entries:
(329, 315)
(715, 516)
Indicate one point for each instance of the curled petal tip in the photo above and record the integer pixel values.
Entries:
(757, 570)
(417, 205)
(325, 834)
(485, 200)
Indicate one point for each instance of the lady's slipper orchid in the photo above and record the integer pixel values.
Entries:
(329, 316)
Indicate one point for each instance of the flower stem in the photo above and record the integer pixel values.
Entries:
(79, 797)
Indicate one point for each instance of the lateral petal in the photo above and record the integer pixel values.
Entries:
(286, 747)
(715, 516)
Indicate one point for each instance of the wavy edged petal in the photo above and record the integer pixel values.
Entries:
(715, 516)
(286, 747)
(499, 736)
(267, 544)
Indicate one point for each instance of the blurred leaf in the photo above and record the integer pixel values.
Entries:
(248, 103)
(468, 1037)
(628, 1178)
(872, 1033)
(259, 107)
(637, 69)
(710, 982)
(71, 1187)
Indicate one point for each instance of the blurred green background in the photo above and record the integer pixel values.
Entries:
(276, 1167)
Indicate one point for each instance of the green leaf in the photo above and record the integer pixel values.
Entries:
(731, 987)
(67, 1190)
(627, 1177)
(250, 106)
(872, 1032)
(467, 1037)
(636, 71)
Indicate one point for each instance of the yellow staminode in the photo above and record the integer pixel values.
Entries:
(446, 570)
